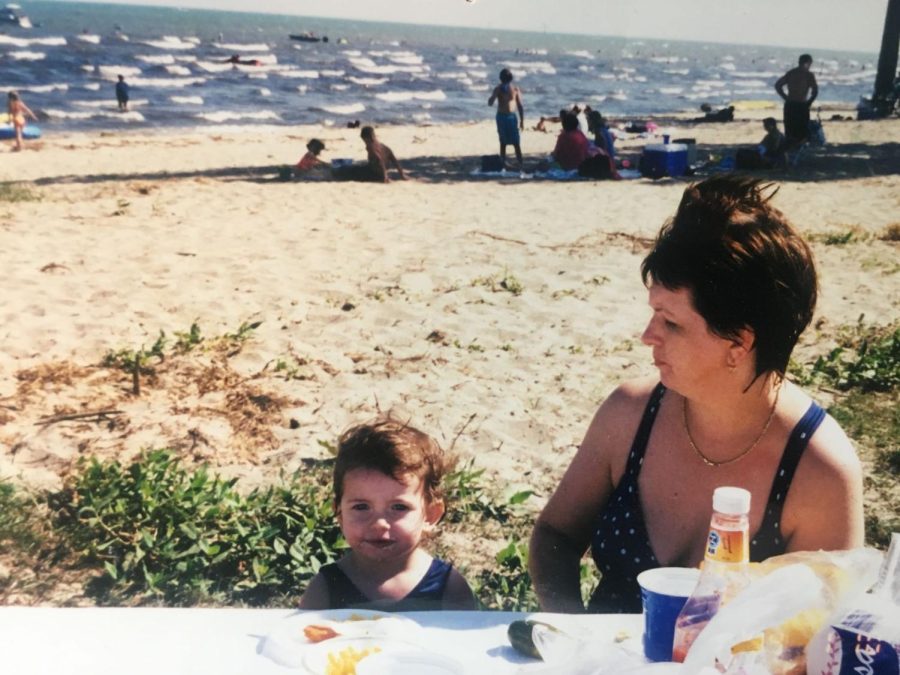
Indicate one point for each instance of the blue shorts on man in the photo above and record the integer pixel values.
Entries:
(508, 128)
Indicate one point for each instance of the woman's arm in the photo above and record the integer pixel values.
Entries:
(824, 507)
(563, 530)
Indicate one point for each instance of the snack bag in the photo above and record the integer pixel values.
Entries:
(863, 638)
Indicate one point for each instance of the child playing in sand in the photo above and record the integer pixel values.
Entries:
(17, 111)
(387, 494)
(311, 160)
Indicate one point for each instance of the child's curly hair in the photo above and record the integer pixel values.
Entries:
(394, 448)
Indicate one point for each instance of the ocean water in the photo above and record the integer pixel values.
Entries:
(174, 60)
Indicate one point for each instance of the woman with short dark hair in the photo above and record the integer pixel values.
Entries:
(731, 287)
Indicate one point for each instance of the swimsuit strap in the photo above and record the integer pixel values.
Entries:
(784, 475)
(434, 581)
(639, 445)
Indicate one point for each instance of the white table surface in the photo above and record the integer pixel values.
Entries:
(130, 641)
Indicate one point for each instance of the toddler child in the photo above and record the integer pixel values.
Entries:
(387, 494)
(17, 111)
(311, 159)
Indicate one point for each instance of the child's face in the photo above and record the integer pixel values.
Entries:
(383, 518)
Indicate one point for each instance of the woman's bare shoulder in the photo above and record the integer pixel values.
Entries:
(617, 418)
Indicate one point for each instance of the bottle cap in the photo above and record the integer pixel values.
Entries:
(732, 501)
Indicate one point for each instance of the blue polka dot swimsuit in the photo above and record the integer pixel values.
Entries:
(620, 544)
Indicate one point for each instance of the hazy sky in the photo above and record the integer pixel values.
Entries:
(805, 24)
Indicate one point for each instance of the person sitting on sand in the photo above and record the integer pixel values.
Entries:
(380, 159)
(603, 137)
(571, 145)
(769, 153)
(731, 286)
(18, 112)
(311, 160)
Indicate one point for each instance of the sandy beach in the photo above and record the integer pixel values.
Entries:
(494, 313)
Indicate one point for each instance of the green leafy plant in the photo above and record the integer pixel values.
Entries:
(507, 282)
(161, 531)
(507, 586)
(866, 358)
(188, 340)
(243, 333)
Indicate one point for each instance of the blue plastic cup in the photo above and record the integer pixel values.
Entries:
(664, 591)
(666, 139)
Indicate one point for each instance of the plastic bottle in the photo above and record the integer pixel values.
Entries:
(727, 555)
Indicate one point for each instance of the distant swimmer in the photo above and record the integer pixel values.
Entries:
(122, 93)
(508, 98)
(236, 60)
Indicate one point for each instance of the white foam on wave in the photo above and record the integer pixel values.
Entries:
(351, 52)
(178, 70)
(27, 56)
(367, 65)
(421, 116)
(238, 47)
(303, 88)
(350, 109)
(91, 86)
(453, 75)
(263, 91)
(212, 67)
(581, 53)
(708, 83)
(671, 91)
(111, 105)
(368, 81)
(186, 58)
(584, 68)
(167, 82)
(230, 116)
(156, 59)
(754, 73)
(171, 42)
(87, 37)
(401, 96)
(130, 116)
(727, 66)
(255, 75)
(749, 84)
(339, 87)
(333, 73)
(113, 72)
(478, 74)
(28, 42)
(297, 74)
(408, 59)
(42, 88)
(666, 59)
(187, 100)
(676, 71)
(524, 67)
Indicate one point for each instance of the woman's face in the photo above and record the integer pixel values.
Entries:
(686, 353)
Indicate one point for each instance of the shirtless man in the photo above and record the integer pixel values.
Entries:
(508, 97)
(800, 84)
(375, 170)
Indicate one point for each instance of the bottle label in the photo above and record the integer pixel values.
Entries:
(727, 546)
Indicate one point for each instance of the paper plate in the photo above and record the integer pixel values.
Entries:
(316, 657)
(408, 663)
(288, 645)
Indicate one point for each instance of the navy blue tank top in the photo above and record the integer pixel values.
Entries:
(427, 595)
(620, 544)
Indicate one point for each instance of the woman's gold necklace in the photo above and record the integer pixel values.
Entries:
(745, 451)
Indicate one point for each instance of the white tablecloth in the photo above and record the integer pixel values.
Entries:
(131, 641)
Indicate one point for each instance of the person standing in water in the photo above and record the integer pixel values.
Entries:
(122, 93)
(508, 98)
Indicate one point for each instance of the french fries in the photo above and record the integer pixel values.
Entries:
(344, 662)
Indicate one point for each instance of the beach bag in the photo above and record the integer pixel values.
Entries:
(597, 167)
(491, 163)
